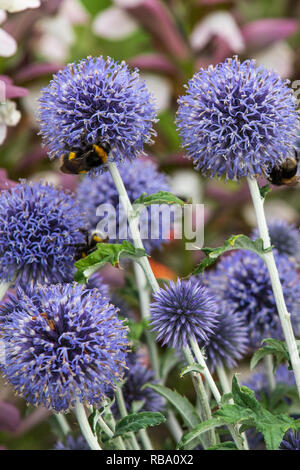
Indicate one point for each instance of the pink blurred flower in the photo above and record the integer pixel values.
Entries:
(262, 33)
(114, 23)
(10, 418)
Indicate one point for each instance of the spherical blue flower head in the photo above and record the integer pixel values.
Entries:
(141, 176)
(136, 377)
(182, 311)
(62, 343)
(284, 236)
(97, 101)
(40, 228)
(237, 119)
(291, 441)
(228, 343)
(72, 443)
(242, 281)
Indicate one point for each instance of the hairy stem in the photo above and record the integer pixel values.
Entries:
(63, 423)
(285, 317)
(4, 286)
(123, 413)
(85, 427)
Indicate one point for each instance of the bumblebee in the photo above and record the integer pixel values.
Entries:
(76, 162)
(286, 173)
(84, 249)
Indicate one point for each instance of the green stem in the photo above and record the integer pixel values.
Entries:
(223, 378)
(202, 396)
(145, 439)
(85, 427)
(123, 413)
(4, 286)
(105, 428)
(285, 317)
(144, 297)
(63, 423)
(198, 354)
(268, 360)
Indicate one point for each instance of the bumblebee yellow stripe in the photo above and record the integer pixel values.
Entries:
(100, 152)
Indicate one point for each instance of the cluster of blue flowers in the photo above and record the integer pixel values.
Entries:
(64, 342)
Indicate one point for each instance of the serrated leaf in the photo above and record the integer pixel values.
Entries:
(229, 445)
(236, 242)
(179, 402)
(198, 430)
(250, 412)
(136, 421)
(276, 348)
(161, 197)
(105, 253)
(191, 368)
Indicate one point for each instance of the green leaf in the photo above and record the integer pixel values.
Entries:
(198, 430)
(191, 368)
(274, 347)
(247, 410)
(229, 445)
(161, 197)
(95, 6)
(179, 402)
(236, 242)
(135, 329)
(105, 253)
(136, 421)
(264, 190)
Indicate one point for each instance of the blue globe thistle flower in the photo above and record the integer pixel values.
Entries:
(136, 377)
(72, 443)
(138, 177)
(228, 343)
(62, 343)
(284, 236)
(291, 441)
(40, 228)
(96, 281)
(182, 311)
(242, 281)
(237, 119)
(97, 101)
(258, 382)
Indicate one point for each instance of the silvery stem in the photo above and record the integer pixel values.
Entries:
(284, 315)
(4, 286)
(85, 426)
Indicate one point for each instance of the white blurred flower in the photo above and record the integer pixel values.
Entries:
(114, 23)
(8, 45)
(9, 116)
(161, 89)
(220, 24)
(187, 184)
(18, 5)
(279, 57)
(57, 33)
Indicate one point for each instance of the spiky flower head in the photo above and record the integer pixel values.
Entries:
(258, 382)
(182, 311)
(72, 443)
(291, 441)
(229, 341)
(136, 376)
(285, 237)
(140, 176)
(97, 101)
(242, 281)
(237, 119)
(62, 343)
(40, 229)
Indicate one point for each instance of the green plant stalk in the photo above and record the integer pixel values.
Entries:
(223, 378)
(210, 436)
(284, 315)
(208, 377)
(85, 426)
(4, 286)
(123, 413)
(105, 428)
(132, 217)
(145, 439)
(63, 423)
(268, 361)
(144, 297)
